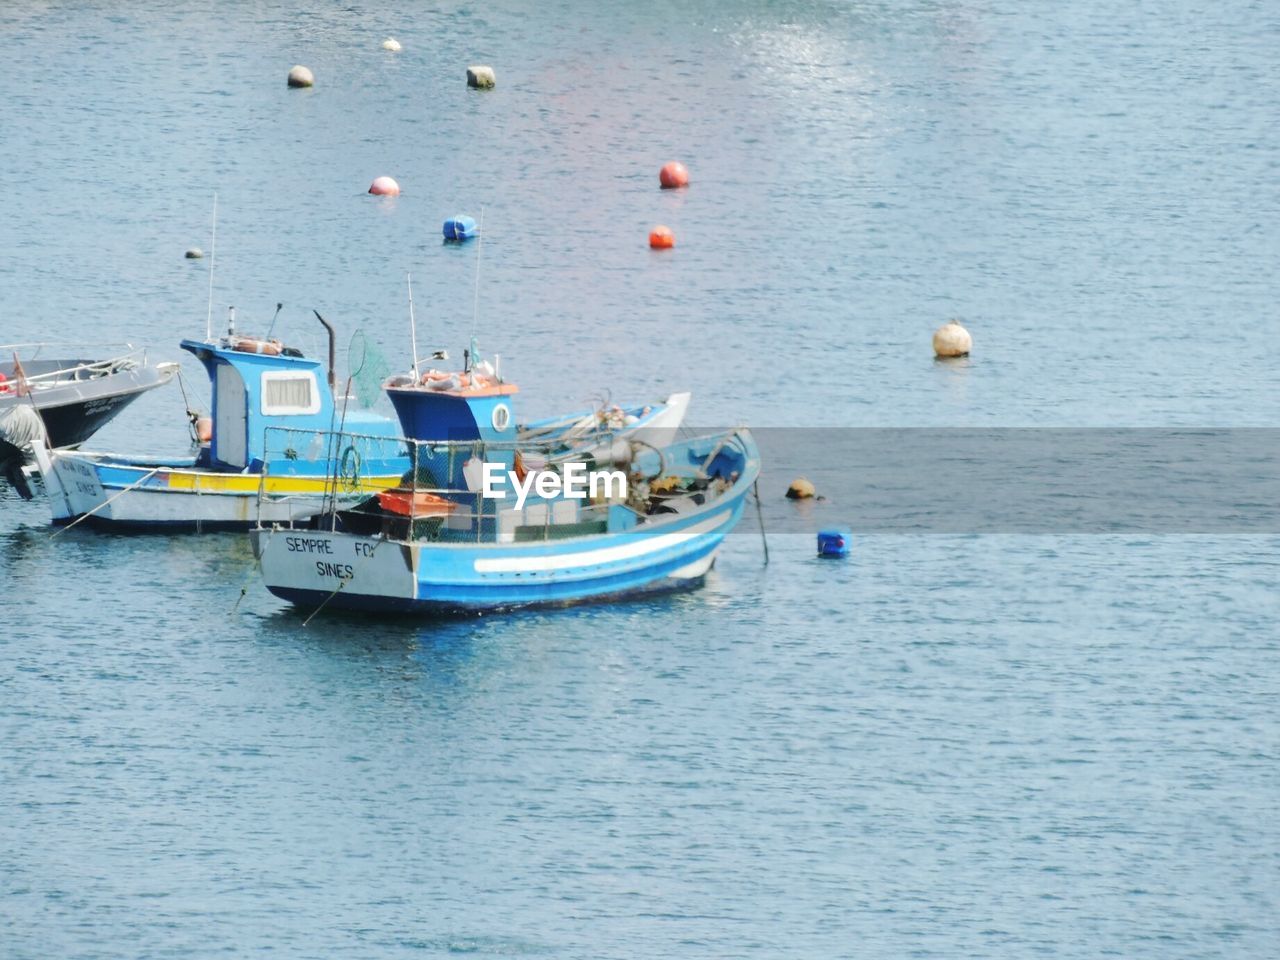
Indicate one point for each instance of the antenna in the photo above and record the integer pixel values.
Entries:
(279, 307)
(413, 329)
(475, 305)
(213, 258)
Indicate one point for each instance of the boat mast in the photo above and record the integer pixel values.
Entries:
(475, 305)
(413, 329)
(213, 258)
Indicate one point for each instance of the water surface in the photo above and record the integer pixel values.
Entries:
(1000, 746)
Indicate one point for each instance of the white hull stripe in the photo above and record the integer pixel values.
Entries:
(640, 544)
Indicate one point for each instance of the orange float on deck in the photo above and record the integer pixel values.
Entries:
(661, 238)
(409, 503)
(384, 187)
(204, 429)
(673, 175)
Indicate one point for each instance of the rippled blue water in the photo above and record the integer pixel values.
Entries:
(953, 746)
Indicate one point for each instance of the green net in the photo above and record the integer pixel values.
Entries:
(369, 368)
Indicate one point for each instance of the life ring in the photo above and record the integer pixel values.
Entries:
(268, 348)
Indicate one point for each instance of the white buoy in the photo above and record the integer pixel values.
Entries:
(952, 340)
(800, 489)
(300, 76)
(392, 44)
(480, 77)
(194, 253)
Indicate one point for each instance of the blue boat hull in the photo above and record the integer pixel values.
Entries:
(342, 571)
(314, 599)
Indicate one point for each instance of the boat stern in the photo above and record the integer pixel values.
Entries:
(310, 567)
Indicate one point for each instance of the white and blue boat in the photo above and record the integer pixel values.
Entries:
(477, 526)
(256, 383)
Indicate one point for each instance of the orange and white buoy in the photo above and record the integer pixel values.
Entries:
(661, 238)
(384, 187)
(673, 175)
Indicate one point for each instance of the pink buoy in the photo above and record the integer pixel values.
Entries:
(385, 187)
(673, 175)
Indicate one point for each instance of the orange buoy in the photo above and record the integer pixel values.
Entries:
(384, 187)
(204, 429)
(661, 238)
(673, 175)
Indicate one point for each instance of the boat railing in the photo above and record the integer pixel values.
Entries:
(439, 494)
(125, 356)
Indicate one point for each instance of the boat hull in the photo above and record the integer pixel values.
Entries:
(73, 410)
(172, 496)
(353, 572)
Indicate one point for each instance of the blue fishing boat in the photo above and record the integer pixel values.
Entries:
(488, 520)
(256, 384)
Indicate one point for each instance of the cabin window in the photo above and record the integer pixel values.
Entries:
(289, 392)
(501, 417)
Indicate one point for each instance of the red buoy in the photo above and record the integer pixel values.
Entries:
(673, 175)
(661, 238)
(385, 187)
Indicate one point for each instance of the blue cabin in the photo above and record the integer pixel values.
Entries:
(259, 384)
(456, 408)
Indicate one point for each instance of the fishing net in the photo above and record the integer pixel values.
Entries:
(369, 368)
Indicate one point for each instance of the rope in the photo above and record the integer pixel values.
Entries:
(341, 583)
(325, 602)
(755, 487)
(137, 483)
(192, 415)
(350, 467)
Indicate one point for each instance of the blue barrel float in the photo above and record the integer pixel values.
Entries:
(833, 543)
(460, 228)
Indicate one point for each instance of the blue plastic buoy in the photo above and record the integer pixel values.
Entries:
(460, 228)
(833, 543)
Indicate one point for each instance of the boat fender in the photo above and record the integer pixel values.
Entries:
(447, 382)
(4, 384)
(21, 427)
